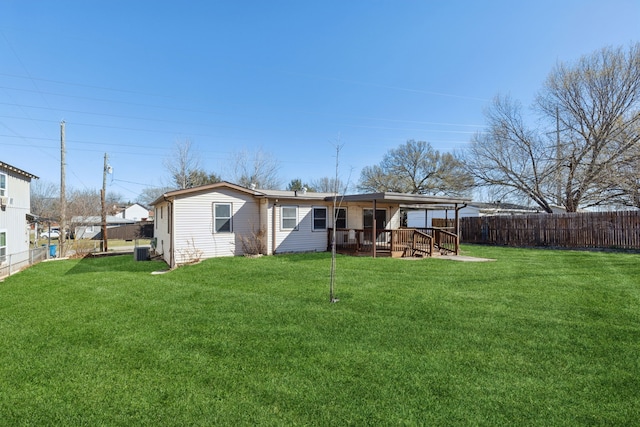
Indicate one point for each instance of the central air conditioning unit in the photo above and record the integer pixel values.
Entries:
(141, 253)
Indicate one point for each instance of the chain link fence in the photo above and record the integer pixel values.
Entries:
(12, 263)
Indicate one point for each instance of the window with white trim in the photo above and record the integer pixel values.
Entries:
(319, 219)
(3, 184)
(222, 218)
(289, 216)
(3, 246)
(340, 217)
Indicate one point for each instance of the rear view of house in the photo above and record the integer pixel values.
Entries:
(225, 219)
(15, 202)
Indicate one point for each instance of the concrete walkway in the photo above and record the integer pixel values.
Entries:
(464, 258)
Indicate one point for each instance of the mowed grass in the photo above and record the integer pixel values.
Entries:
(537, 337)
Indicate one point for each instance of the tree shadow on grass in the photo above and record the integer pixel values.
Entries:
(116, 263)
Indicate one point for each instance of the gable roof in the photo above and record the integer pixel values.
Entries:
(97, 220)
(389, 197)
(203, 188)
(17, 170)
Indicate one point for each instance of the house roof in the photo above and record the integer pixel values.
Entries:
(135, 204)
(203, 188)
(93, 220)
(390, 197)
(17, 170)
(297, 194)
(404, 198)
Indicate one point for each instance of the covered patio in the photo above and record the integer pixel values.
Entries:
(381, 233)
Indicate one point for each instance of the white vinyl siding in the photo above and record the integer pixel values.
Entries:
(13, 219)
(289, 218)
(3, 246)
(194, 232)
(301, 239)
(319, 221)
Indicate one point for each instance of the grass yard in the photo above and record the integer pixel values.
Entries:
(538, 337)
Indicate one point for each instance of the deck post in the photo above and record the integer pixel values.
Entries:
(373, 234)
(457, 210)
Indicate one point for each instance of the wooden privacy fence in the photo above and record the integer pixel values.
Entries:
(603, 230)
(128, 232)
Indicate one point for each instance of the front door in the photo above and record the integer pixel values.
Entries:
(381, 222)
(381, 219)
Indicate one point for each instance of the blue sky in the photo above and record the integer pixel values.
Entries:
(292, 78)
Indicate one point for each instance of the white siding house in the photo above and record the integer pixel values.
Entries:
(15, 202)
(212, 221)
(135, 212)
(215, 220)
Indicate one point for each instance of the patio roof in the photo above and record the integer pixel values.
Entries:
(404, 199)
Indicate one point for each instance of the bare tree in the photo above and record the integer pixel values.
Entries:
(113, 201)
(327, 184)
(415, 167)
(151, 194)
(184, 167)
(587, 141)
(257, 168)
(181, 163)
(512, 158)
(45, 199)
(83, 203)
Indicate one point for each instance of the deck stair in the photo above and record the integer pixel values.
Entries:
(398, 243)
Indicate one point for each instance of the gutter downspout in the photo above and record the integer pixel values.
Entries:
(172, 259)
(273, 227)
(374, 231)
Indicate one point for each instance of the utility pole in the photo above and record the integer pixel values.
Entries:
(104, 204)
(558, 160)
(63, 190)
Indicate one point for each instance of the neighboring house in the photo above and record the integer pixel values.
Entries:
(215, 220)
(136, 212)
(424, 217)
(90, 227)
(15, 202)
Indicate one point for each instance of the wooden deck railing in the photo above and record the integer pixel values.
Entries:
(445, 241)
(401, 242)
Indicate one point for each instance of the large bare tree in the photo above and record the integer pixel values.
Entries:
(511, 159)
(184, 167)
(181, 162)
(415, 167)
(45, 199)
(586, 141)
(258, 168)
(328, 185)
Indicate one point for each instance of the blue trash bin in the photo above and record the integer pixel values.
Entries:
(52, 250)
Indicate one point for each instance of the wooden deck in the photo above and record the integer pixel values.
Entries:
(404, 242)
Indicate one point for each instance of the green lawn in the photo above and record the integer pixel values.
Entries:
(538, 337)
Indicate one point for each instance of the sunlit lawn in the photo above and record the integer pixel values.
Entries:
(537, 337)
